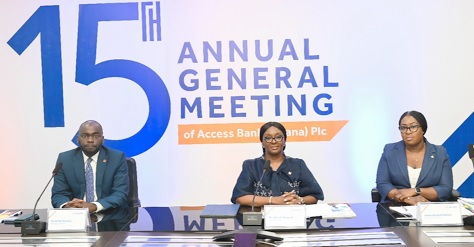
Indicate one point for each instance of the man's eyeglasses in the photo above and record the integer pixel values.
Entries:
(413, 128)
(269, 139)
(87, 136)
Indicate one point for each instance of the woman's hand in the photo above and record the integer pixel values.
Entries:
(414, 200)
(403, 194)
(290, 198)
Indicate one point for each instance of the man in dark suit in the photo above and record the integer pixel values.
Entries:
(114, 219)
(107, 168)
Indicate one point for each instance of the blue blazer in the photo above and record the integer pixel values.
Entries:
(436, 170)
(111, 178)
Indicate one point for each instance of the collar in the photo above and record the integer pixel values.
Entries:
(94, 157)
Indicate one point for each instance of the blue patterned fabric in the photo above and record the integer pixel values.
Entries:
(292, 175)
(89, 181)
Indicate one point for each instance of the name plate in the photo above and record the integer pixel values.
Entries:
(68, 220)
(439, 214)
(284, 217)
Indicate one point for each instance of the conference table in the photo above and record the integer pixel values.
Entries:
(374, 225)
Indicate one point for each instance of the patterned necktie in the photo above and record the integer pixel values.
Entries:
(89, 181)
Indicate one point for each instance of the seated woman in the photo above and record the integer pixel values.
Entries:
(289, 181)
(414, 170)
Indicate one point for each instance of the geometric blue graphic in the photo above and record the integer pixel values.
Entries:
(45, 22)
(162, 218)
(456, 145)
(88, 72)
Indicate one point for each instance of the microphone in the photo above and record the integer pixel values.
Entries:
(32, 226)
(253, 218)
(265, 168)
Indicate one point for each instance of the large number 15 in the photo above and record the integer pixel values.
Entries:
(45, 21)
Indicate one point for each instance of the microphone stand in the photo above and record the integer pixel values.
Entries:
(253, 220)
(32, 226)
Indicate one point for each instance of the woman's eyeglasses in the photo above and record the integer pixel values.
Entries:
(413, 128)
(269, 139)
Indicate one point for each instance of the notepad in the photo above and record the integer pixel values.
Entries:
(220, 211)
(329, 211)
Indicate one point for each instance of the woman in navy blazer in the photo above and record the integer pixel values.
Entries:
(275, 178)
(414, 170)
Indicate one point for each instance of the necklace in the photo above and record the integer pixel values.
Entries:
(422, 151)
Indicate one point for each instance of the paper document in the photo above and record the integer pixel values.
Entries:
(330, 211)
(220, 211)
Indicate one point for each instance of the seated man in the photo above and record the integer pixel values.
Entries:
(92, 176)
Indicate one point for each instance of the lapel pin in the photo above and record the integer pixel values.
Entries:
(289, 173)
(104, 160)
(432, 156)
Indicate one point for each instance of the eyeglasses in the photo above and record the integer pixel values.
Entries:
(269, 139)
(413, 128)
(87, 136)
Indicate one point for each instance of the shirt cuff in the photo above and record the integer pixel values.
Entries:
(99, 217)
(99, 207)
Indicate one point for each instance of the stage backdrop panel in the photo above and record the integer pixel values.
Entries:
(183, 87)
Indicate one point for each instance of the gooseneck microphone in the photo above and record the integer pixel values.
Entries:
(253, 218)
(252, 223)
(32, 226)
(266, 167)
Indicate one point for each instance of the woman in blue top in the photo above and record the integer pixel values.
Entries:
(414, 170)
(289, 181)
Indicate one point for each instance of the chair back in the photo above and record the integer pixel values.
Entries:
(133, 200)
(376, 197)
(470, 150)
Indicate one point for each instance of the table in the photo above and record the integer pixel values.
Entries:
(160, 226)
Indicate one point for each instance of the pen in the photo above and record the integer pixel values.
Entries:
(17, 213)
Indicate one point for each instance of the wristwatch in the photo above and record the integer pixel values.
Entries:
(418, 191)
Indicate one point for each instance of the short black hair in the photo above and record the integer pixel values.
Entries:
(266, 126)
(91, 122)
(418, 116)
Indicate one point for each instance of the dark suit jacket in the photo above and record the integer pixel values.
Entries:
(116, 219)
(436, 170)
(111, 178)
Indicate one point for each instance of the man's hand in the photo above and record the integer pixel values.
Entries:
(91, 206)
(75, 203)
(79, 203)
